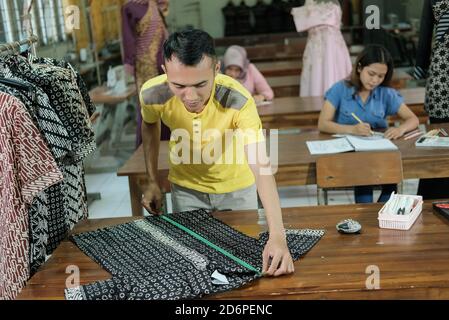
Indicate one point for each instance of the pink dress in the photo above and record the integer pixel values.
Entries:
(326, 58)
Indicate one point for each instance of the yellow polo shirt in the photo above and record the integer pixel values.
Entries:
(206, 149)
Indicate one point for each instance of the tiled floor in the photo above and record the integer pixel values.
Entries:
(115, 200)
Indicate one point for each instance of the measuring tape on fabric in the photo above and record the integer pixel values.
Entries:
(214, 246)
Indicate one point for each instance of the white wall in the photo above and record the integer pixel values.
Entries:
(204, 14)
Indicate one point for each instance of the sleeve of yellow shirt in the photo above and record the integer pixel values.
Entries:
(247, 120)
(150, 113)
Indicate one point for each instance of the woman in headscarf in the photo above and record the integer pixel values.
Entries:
(237, 66)
(144, 32)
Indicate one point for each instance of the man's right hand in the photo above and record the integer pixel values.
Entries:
(152, 198)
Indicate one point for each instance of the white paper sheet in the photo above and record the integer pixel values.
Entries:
(375, 136)
(372, 143)
(329, 146)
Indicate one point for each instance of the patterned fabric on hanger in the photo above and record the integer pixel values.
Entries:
(55, 211)
(26, 168)
(49, 202)
(79, 80)
(62, 90)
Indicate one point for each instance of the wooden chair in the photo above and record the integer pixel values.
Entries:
(357, 169)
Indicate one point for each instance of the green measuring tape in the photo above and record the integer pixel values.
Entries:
(210, 244)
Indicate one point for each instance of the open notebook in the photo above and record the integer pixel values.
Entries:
(350, 143)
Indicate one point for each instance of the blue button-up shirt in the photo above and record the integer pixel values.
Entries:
(382, 102)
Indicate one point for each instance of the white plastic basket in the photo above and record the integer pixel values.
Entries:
(388, 220)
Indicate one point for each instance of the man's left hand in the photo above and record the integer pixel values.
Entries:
(281, 262)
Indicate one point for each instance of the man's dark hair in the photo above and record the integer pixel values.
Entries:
(189, 46)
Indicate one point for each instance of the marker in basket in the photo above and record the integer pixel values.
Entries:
(407, 205)
(389, 204)
(401, 206)
(360, 121)
(444, 132)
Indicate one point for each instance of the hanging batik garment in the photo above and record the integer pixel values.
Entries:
(153, 259)
(26, 168)
(49, 203)
(58, 208)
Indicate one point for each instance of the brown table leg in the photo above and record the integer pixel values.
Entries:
(136, 196)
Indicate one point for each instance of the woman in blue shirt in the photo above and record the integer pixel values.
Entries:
(367, 94)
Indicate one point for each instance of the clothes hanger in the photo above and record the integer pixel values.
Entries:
(14, 48)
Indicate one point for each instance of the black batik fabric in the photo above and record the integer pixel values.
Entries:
(43, 237)
(57, 209)
(61, 87)
(74, 189)
(152, 259)
(432, 59)
(79, 80)
(44, 117)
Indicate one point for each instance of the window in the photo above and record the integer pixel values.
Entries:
(47, 21)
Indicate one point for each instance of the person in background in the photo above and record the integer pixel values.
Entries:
(367, 95)
(432, 56)
(237, 66)
(144, 32)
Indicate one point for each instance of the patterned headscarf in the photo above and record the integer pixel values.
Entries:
(236, 56)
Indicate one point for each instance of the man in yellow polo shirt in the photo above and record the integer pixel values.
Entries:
(215, 131)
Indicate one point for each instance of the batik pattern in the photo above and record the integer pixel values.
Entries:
(60, 86)
(152, 259)
(90, 106)
(26, 168)
(60, 207)
(432, 59)
(56, 138)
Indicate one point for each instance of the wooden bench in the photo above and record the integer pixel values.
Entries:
(288, 85)
(298, 112)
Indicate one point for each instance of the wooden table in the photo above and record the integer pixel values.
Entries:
(288, 85)
(100, 95)
(287, 112)
(412, 264)
(295, 165)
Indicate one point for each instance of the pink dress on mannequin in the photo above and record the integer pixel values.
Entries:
(326, 58)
